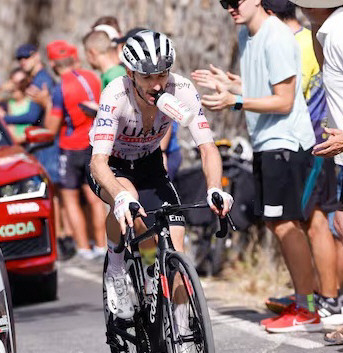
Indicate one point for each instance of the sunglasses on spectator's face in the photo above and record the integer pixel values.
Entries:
(232, 3)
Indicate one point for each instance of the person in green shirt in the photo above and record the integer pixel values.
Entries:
(18, 103)
(102, 53)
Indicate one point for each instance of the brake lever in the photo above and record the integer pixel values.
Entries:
(218, 202)
(133, 207)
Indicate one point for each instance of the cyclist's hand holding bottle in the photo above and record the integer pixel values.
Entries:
(227, 201)
(122, 212)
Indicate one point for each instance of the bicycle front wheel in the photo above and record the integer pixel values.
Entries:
(191, 329)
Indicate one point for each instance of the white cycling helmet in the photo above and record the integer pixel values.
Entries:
(148, 52)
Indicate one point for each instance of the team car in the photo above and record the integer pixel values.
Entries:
(27, 234)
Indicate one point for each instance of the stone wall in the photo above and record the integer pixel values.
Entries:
(202, 32)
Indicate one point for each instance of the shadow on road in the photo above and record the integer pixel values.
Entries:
(36, 313)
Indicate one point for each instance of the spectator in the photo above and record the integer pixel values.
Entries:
(171, 151)
(322, 199)
(103, 54)
(326, 19)
(30, 61)
(281, 133)
(65, 115)
(110, 21)
(18, 103)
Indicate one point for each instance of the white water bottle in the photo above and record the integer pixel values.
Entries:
(174, 108)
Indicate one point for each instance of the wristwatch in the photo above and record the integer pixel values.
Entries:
(239, 103)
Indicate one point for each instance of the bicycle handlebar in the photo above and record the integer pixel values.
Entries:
(218, 202)
(169, 209)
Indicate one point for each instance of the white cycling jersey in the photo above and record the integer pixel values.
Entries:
(118, 127)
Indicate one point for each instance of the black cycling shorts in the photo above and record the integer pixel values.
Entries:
(149, 177)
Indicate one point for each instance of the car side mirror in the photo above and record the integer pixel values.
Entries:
(37, 138)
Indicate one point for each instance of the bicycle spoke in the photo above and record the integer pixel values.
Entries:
(193, 332)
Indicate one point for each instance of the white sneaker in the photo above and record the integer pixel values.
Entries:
(118, 296)
(86, 254)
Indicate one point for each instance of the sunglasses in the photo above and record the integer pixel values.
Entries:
(232, 3)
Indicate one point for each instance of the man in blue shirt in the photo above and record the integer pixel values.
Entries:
(29, 60)
(281, 134)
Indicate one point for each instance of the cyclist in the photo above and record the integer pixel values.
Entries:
(126, 156)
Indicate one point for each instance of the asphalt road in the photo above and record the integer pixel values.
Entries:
(74, 323)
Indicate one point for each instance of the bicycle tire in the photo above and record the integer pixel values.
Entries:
(188, 308)
(134, 327)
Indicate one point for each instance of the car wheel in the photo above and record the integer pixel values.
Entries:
(34, 289)
(48, 287)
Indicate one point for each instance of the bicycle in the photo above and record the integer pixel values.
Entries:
(174, 318)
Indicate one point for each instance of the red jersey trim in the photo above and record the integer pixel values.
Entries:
(204, 125)
(104, 137)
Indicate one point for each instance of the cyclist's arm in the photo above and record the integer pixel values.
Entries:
(103, 142)
(210, 157)
(211, 164)
(104, 176)
(102, 139)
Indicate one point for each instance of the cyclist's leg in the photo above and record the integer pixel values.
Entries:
(112, 225)
(115, 278)
(177, 234)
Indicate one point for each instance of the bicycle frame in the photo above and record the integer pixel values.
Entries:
(160, 283)
(152, 312)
